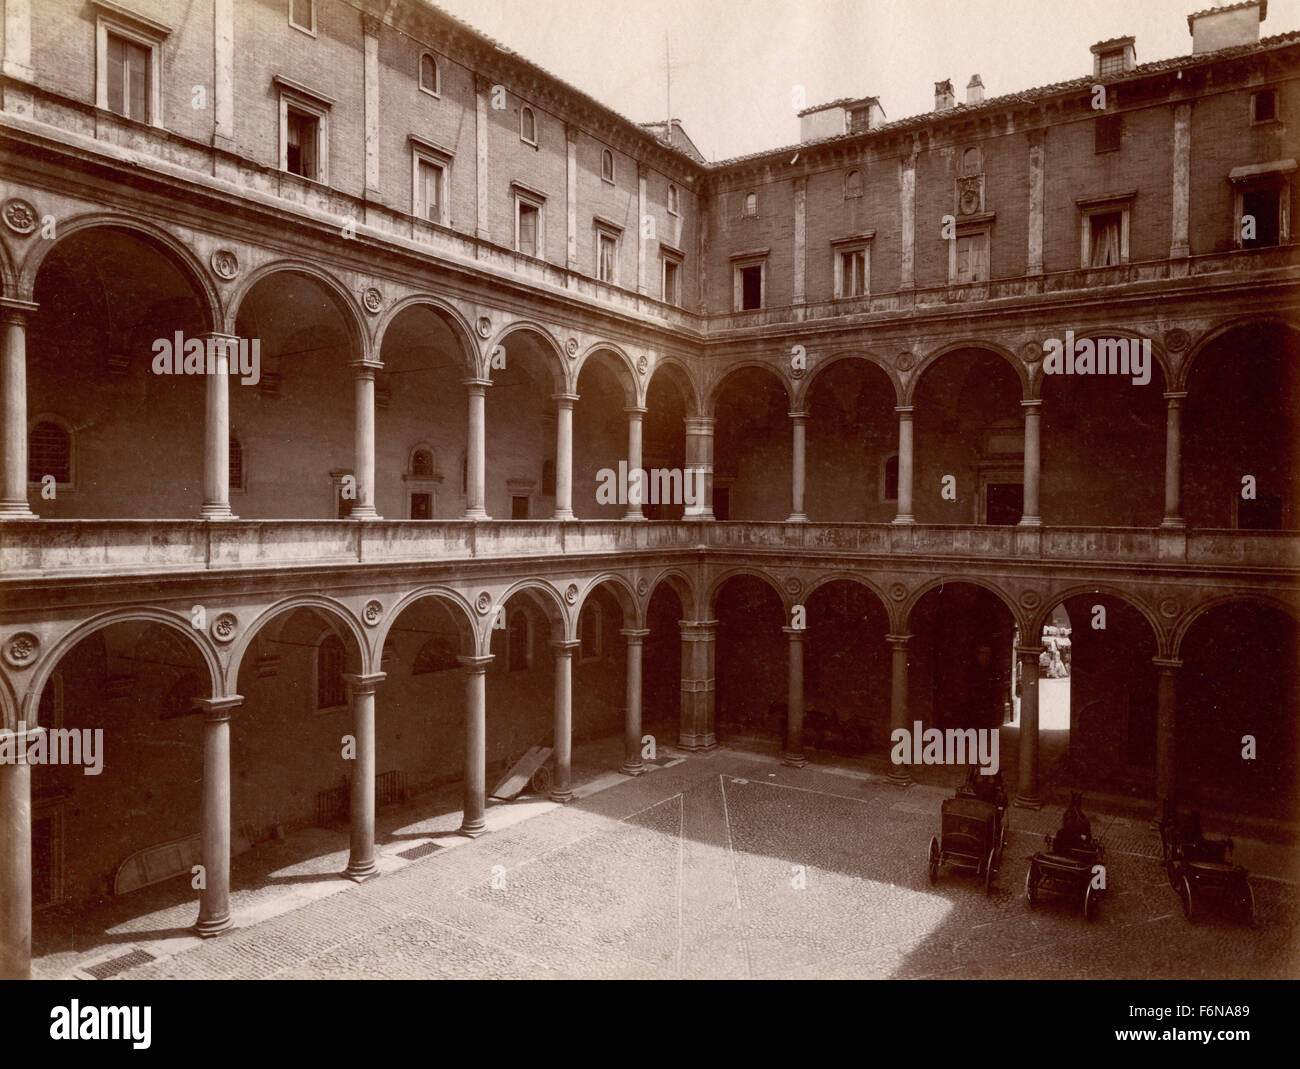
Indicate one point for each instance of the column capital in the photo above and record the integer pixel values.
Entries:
(1028, 403)
(22, 735)
(366, 369)
(898, 640)
(904, 410)
(799, 415)
(1174, 396)
(635, 411)
(16, 311)
(218, 709)
(634, 635)
(564, 647)
(472, 383)
(1026, 652)
(565, 400)
(1167, 664)
(364, 684)
(697, 628)
(796, 633)
(700, 424)
(370, 24)
(476, 665)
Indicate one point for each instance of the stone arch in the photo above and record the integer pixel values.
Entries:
(681, 586)
(803, 391)
(454, 599)
(681, 375)
(547, 600)
(1039, 619)
(715, 391)
(850, 577)
(171, 247)
(623, 594)
(338, 293)
(1180, 381)
(628, 379)
(8, 273)
(174, 621)
(908, 606)
(445, 310)
(557, 368)
(332, 610)
(8, 704)
(719, 581)
(1193, 614)
(1158, 356)
(927, 362)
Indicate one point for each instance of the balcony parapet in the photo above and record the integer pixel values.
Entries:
(92, 548)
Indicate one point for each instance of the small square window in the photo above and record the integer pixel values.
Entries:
(1105, 232)
(1263, 106)
(672, 281)
(1108, 133)
(1111, 63)
(421, 506)
(302, 15)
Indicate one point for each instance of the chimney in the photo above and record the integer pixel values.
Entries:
(1226, 26)
(944, 98)
(974, 90)
(1116, 56)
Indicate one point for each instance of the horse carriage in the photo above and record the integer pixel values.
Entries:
(1199, 868)
(1066, 867)
(974, 829)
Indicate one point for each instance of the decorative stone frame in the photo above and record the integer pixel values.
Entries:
(606, 228)
(300, 98)
(110, 18)
(424, 151)
(855, 243)
(739, 261)
(535, 199)
(1106, 204)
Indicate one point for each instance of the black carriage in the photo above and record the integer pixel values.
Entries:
(1201, 869)
(973, 830)
(1066, 868)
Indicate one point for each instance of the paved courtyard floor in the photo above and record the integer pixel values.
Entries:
(720, 865)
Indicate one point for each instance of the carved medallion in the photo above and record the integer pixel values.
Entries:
(1031, 599)
(20, 650)
(793, 585)
(483, 603)
(1031, 352)
(372, 613)
(571, 594)
(571, 347)
(224, 627)
(642, 585)
(484, 326)
(642, 365)
(897, 591)
(225, 263)
(373, 300)
(905, 361)
(19, 215)
(1177, 340)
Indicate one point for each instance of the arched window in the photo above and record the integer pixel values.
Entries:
(331, 661)
(751, 205)
(436, 655)
(527, 125)
(853, 184)
(673, 201)
(970, 162)
(891, 479)
(422, 464)
(519, 641)
(607, 165)
(236, 464)
(429, 74)
(49, 452)
(589, 631)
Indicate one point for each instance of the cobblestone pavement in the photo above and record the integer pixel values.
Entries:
(691, 871)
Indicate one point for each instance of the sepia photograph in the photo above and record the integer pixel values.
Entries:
(600, 490)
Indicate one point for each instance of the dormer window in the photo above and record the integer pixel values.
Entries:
(1112, 62)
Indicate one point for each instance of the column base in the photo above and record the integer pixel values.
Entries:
(566, 514)
(216, 512)
(16, 510)
(638, 515)
(630, 768)
(698, 743)
(476, 514)
(1175, 522)
(472, 829)
(796, 517)
(794, 760)
(364, 512)
(1031, 801)
(1031, 521)
(563, 796)
(206, 928)
(899, 776)
(359, 871)
(908, 519)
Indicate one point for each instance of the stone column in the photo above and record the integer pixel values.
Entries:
(16, 855)
(216, 427)
(1166, 717)
(1027, 789)
(474, 823)
(214, 899)
(364, 450)
(799, 429)
(1033, 418)
(561, 790)
(361, 855)
(1174, 460)
(634, 419)
(475, 449)
(632, 765)
(699, 685)
(792, 753)
(564, 455)
(699, 461)
(13, 388)
(904, 464)
(1181, 172)
(898, 774)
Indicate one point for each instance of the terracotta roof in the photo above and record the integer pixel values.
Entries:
(843, 102)
(1026, 96)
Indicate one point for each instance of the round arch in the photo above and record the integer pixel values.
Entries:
(1158, 355)
(338, 294)
(1040, 618)
(623, 593)
(849, 577)
(328, 607)
(677, 372)
(627, 375)
(1017, 368)
(449, 314)
(8, 272)
(803, 391)
(715, 391)
(1207, 340)
(171, 247)
(719, 581)
(1189, 618)
(171, 620)
(453, 598)
(556, 366)
(543, 596)
(908, 607)
(680, 585)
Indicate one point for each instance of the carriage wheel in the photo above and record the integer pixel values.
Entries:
(541, 781)
(988, 872)
(1247, 904)
(1031, 885)
(1172, 872)
(934, 860)
(1002, 842)
(1185, 893)
(1091, 898)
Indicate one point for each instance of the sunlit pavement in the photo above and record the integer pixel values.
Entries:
(722, 865)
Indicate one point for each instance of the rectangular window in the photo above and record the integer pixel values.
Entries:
(129, 90)
(302, 15)
(519, 508)
(607, 267)
(1261, 218)
(529, 228)
(429, 191)
(421, 506)
(672, 282)
(1104, 238)
(1108, 133)
(303, 144)
(751, 287)
(852, 275)
(972, 258)
(1263, 106)
(1111, 63)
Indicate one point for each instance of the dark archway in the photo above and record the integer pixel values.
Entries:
(752, 660)
(751, 457)
(846, 664)
(852, 436)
